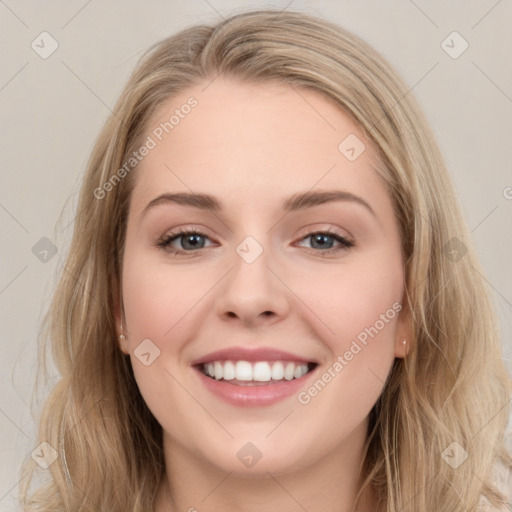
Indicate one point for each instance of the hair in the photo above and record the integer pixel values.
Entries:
(451, 387)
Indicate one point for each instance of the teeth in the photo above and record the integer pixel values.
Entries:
(219, 370)
(243, 370)
(262, 371)
(277, 371)
(289, 371)
(229, 371)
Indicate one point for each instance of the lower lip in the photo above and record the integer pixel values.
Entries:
(253, 396)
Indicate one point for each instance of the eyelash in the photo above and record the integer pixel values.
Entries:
(165, 242)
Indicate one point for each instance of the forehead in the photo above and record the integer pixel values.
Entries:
(250, 140)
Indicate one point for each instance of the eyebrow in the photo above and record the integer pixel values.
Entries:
(313, 198)
(201, 201)
(299, 201)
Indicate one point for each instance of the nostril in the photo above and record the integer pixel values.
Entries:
(232, 314)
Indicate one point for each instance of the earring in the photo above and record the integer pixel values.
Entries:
(121, 336)
(404, 342)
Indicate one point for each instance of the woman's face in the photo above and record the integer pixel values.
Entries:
(292, 264)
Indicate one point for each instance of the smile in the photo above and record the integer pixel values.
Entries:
(254, 376)
(253, 373)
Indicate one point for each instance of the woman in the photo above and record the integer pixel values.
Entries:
(271, 299)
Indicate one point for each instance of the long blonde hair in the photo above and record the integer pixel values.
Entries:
(451, 388)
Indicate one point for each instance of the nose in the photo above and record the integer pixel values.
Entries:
(252, 293)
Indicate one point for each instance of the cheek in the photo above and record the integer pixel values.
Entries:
(157, 296)
(359, 301)
(161, 303)
(360, 305)
(158, 300)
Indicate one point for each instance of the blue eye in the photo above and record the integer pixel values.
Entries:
(321, 242)
(324, 241)
(192, 241)
(189, 241)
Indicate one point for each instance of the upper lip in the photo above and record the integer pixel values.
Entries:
(250, 354)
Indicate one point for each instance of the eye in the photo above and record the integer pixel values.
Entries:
(324, 241)
(182, 242)
(189, 241)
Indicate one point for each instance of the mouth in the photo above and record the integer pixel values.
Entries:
(258, 373)
(243, 376)
(253, 376)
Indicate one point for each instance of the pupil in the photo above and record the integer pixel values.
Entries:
(192, 241)
(322, 241)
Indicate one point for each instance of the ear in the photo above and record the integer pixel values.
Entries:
(118, 314)
(404, 332)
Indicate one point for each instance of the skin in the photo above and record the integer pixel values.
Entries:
(252, 146)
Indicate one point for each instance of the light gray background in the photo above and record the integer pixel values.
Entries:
(52, 109)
